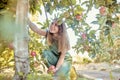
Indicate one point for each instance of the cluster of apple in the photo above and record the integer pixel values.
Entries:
(51, 69)
(102, 10)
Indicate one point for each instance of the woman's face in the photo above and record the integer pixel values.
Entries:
(54, 28)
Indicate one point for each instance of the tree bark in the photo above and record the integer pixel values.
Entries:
(21, 54)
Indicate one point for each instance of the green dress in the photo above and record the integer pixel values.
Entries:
(51, 56)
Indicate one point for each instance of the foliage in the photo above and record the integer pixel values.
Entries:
(7, 5)
(6, 55)
(75, 16)
(6, 59)
(35, 5)
(3, 3)
(92, 44)
(5, 77)
(36, 45)
(37, 76)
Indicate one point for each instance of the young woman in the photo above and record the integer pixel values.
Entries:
(57, 54)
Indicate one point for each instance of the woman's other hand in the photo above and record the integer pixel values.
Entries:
(51, 69)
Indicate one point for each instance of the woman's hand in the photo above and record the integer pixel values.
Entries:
(35, 28)
(51, 69)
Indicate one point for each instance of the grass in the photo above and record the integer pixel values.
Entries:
(38, 77)
(5, 76)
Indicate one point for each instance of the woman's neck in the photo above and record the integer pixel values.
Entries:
(55, 36)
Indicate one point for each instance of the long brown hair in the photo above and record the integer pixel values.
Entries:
(63, 39)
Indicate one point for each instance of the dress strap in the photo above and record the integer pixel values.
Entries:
(46, 33)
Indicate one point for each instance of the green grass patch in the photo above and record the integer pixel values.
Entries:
(5, 77)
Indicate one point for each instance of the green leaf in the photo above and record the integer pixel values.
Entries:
(40, 11)
(94, 22)
(73, 2)
(78, 10)
(107, 31)
(2, 5)
(85, 2)
(92, 33)
(109, 22)
(47, 7)
(20, 73)
(5, 1)
(51, 10)
(78, 7)
(110, 40)
(111, 75)
(40, 23)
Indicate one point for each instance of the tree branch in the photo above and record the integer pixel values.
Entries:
(45, 13)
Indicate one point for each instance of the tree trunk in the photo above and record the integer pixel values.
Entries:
(21, 54)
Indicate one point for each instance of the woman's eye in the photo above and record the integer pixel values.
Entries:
(56, 25)
(52, 23)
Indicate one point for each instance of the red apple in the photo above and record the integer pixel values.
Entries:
(84, 36)
(33, 53)
(78, 17)
(51, 69)
(114, 25)
(102, 10)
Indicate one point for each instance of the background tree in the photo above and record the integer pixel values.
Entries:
(21, 54)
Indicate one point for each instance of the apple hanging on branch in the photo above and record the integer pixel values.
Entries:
(33, 53)
(78, 12)
(78, 16)
(84, 36)
(114, 25)
(103, 10)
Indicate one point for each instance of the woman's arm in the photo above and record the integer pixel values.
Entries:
(34, 28)
(61, 60)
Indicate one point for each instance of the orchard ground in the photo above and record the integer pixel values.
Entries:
(90, 71)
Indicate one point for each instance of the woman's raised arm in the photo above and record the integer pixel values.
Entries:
(34, 28)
